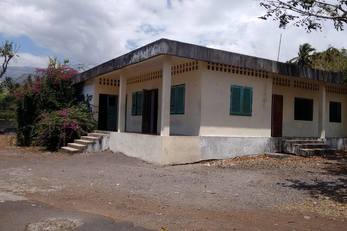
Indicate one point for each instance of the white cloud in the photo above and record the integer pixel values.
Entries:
(30, 60)
(91, 32)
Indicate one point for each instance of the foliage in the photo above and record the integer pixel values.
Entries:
(309, 14)
(7, 100)
(41, 101)
(304, 55)
(332, 59)
(57, 128)
(8, 51)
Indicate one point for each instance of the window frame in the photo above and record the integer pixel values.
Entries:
(173, 107)
(338, 116)
(312, 110)
(136, 108)
(242, 103)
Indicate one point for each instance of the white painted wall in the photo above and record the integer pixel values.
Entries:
(186, 124)
(215, 106)
(337, 129)
(293, 127)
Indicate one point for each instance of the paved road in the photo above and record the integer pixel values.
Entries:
(17, 215)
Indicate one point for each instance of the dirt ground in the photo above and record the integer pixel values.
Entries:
(253, 193)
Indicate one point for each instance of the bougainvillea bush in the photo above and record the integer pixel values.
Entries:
(48, 113)
(57, 128)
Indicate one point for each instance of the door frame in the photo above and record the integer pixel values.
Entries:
(150, 112)
(277, 116)
(103, 112)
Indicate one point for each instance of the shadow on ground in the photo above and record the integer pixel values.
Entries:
(335, 188)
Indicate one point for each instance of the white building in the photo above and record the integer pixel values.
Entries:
(172, 102)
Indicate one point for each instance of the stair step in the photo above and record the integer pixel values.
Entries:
(315, 151)
(77, 146)
(70, 150)
(308, 145)
(97, 134)
(82, 141)
(92, 138)
(103, 132)
(304, 141)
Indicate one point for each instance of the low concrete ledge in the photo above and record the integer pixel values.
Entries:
(165, 150)
(338, 143)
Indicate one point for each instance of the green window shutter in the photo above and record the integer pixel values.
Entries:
(177, 103)
(180, 90)
(139, 103)
(247, 101)
(133, 105)
(235, 100)
(172, 100)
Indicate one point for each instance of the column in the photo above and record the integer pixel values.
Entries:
(165, 99)
(121, 103)
(322, 110)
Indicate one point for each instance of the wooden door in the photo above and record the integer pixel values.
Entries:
(277, 116)
(150, 111)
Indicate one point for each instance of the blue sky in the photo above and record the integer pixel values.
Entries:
(91, 32)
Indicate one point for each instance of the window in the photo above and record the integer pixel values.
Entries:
(241, 99)
(136, 103)
(303, 109)
(177, 99)
(335, 112)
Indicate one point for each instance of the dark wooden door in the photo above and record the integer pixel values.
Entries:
(108, 112)
(150, 111)
(277, 116)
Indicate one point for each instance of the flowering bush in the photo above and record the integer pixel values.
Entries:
(57, 128)
(48, 113)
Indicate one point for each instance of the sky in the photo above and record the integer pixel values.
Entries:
(89, 32)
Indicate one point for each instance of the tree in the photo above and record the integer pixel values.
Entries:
(8, 50)
(309, 14)
(332, 59)
(304, 55)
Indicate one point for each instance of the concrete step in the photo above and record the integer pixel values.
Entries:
(70, 150)
(77, 146)
(92, 138)
(83, 141)
(304, 141)
(103, 132)
(98, 134)
(311, 145)
(315, 152)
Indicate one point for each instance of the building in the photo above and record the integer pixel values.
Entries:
(171, 102)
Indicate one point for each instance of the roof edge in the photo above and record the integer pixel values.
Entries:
(165, 46)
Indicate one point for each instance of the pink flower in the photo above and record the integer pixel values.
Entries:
(64, 112)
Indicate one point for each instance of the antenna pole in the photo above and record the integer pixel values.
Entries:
(279, 48)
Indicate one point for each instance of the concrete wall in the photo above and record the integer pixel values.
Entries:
(186, 124)
(215, 106)
(94, 88)
(336, 129)
(187, 149)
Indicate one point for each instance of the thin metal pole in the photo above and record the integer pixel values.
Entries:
(279, 48)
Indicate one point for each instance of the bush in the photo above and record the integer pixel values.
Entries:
(48, 113)
(56, 129)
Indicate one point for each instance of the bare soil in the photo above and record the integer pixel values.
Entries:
(252, 193)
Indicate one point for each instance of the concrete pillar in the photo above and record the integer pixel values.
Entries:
(121, 103)
(322, 110)
(165, 99)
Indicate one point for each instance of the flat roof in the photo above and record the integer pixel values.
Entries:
(201, 53)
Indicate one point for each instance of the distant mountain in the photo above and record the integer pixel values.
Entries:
(19, 74)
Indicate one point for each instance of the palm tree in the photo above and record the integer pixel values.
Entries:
(304, 55)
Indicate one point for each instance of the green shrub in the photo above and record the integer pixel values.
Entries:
(48, 113)
(55, 129)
